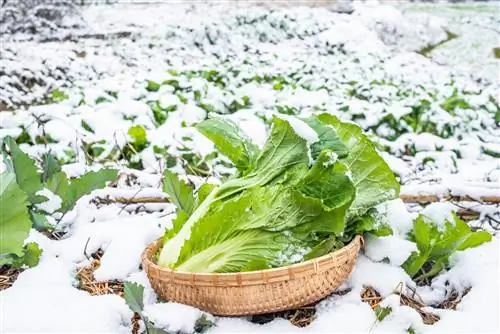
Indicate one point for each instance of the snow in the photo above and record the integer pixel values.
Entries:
(47, 290)
(360, 67)
(392, 248)
(476, 268)
(53, 202)
(173, 317)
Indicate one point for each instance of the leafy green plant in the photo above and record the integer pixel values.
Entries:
(21, 184)
(436, 244)
(280, 206)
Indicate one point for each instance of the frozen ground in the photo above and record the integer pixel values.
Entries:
(435, 119)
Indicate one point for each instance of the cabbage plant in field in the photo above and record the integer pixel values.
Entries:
(308, 191)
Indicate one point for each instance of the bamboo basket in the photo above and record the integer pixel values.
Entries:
(256, 292)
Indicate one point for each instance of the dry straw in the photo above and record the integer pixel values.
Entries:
(256, 292)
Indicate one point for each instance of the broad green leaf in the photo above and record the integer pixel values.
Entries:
(328, 139)
(15, 222)
(231, 141)
(475, 239)
(374, 180)
(179, 193)
(27, 175)
(50, 166)
(134, 296)
(283, 152)
(422, 234)
(84, 185)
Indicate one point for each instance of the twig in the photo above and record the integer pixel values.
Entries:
(423, 199)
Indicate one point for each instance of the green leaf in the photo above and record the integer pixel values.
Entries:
(203, 324)
(231, 141)
(15, 222)
(374, 180)
(422, 234)
(70, 193)
(475, 239)
(415, 262)
(368, 224)
(179, 193)
(134, 296)
(382, 312)
(328, 139)
(50, 166)
(58, 183)
(138, 134)
(153, 86)
(284, 153)
(27, 175)
(435, 245)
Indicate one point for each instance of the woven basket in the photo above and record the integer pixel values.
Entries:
(256, 292)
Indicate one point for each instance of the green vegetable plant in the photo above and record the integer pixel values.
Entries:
(436, 244)
(21, 184)
(291, 200)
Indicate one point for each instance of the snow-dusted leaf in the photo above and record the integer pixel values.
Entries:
(436, 245)
(134, 294)
(231, 141)
(86, 184)
(374, 180)
(27, 175)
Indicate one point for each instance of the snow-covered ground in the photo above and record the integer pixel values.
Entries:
(435, 119)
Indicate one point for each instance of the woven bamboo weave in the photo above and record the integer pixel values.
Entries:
(256, 292)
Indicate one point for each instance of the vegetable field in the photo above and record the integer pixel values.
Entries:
(249, 137)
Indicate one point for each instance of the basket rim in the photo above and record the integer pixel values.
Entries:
(147, 262)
